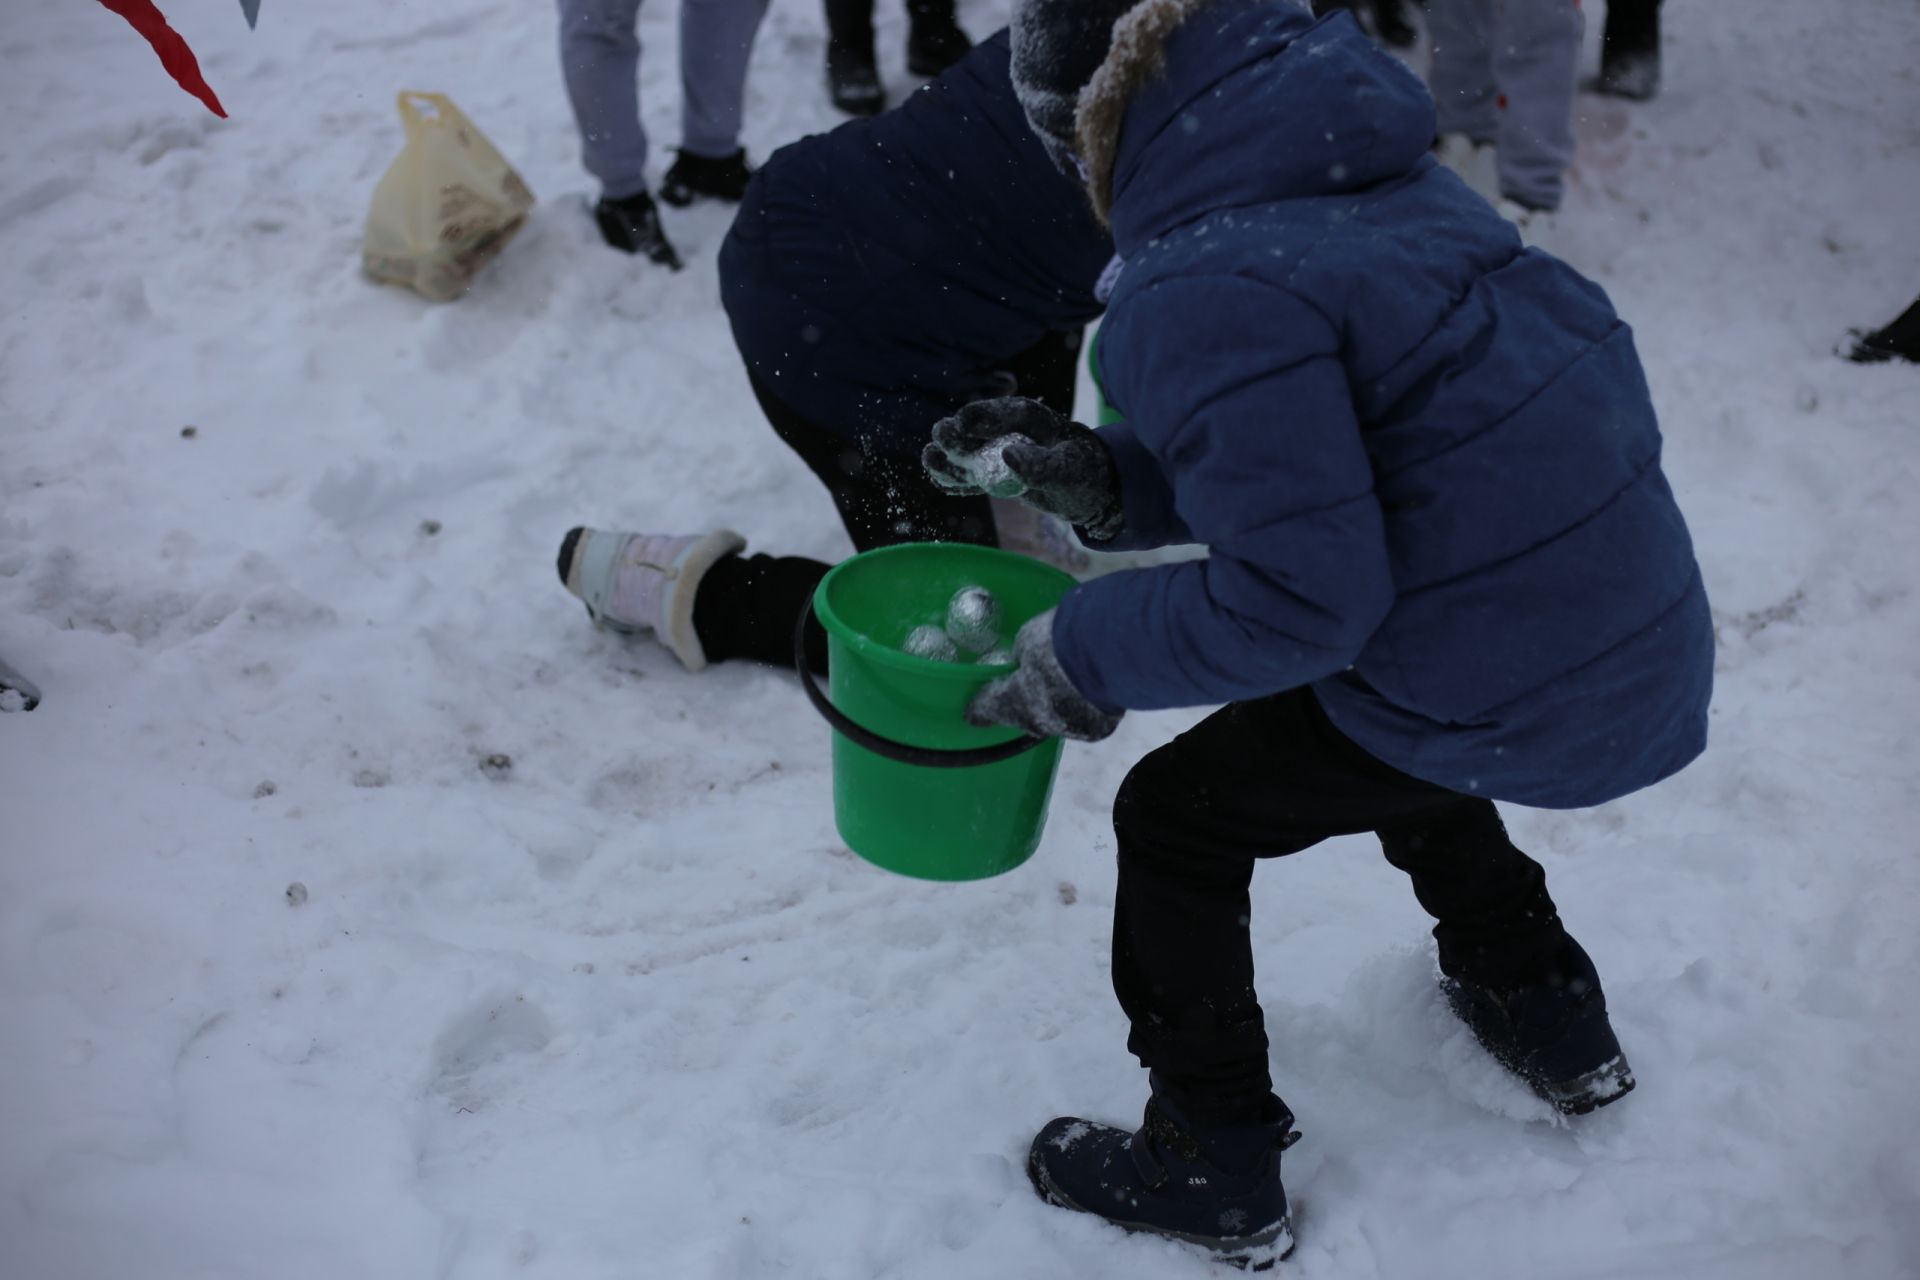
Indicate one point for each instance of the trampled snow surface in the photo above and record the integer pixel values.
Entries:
(624, 1006)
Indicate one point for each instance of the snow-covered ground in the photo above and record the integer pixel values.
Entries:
(624, 1006)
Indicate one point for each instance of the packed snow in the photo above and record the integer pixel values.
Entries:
(364, 912)
(989, 471)
(931, 642)
(970, 632)
(973, 619)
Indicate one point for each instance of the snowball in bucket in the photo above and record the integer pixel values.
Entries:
(973, 619)
(932, 643)
(1001, 657)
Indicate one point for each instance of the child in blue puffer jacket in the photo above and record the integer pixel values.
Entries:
(1445, 567)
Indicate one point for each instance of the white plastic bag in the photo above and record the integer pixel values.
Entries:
(446, 206)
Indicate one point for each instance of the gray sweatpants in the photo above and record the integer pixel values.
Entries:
(1503, 72)
(600, 56)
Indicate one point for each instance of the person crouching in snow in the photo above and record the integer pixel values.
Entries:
(877, 278)
(1445, 567)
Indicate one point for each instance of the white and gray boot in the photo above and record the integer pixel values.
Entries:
(636, 582)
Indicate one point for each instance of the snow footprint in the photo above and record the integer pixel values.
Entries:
(479, 1136)
(501, 1027)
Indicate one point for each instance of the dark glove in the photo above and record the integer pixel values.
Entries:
(1038, 697)
(1018, 448)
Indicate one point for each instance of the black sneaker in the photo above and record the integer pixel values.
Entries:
(1552, 1033)
(1635, 76)
(692, 177)
(934, 44)
(1168, 1179)
(853, 82)
(632, 225)
(1392, 24)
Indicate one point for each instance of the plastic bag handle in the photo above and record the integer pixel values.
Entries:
(419, 109)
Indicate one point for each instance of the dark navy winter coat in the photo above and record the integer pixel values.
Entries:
(1425, 461)
(878, 275)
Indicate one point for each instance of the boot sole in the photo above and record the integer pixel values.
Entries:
(1601, 1087)
(1257, 1252)
(1576, 1095)
(683, 197)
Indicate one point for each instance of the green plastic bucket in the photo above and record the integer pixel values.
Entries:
(916, 789)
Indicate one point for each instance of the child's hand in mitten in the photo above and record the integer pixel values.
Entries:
(1018, 448)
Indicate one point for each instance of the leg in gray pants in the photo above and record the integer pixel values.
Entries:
(1503, 72)
(600, 57)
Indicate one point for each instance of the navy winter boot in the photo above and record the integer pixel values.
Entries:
(1217, 1188)
(1553, 1033)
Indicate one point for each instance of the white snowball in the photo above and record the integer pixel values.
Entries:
(932, 643)
(990, 471)
(973, 619)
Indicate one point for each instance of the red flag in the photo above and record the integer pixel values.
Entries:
(175, 56)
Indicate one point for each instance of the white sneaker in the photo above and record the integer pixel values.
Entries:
(1536, 226)
(1473, 161)
(634, 582)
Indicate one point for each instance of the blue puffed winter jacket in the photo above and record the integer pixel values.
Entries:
(1424, 459)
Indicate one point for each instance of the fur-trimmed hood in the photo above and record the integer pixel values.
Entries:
(1213, 103)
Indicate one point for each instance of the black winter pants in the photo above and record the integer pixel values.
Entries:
(1258, 780)
(850, 22)
(747, 605)
(1633, 27)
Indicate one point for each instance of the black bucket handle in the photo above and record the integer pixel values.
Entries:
(927, 757)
